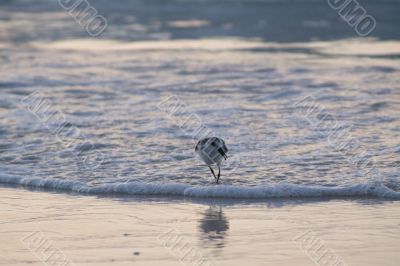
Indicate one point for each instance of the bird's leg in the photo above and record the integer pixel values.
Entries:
(212, 171)
(219, 173)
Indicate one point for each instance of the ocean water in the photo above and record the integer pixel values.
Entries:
(307, 108)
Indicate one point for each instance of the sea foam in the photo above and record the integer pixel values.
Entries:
(281, 190)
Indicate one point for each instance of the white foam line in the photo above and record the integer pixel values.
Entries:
(282, 190)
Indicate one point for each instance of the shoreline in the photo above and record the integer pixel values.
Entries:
(279, 190)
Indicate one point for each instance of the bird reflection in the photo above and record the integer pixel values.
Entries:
(213, 227)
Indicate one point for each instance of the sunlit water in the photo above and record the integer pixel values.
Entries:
(248, 91)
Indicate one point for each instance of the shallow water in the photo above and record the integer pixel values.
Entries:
(255, 93)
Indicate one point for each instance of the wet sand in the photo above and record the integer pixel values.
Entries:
(38, 228)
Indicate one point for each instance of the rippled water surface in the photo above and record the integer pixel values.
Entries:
(242, 87)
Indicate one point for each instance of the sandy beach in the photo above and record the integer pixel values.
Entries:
(89, 230)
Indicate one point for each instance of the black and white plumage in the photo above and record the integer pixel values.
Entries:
(212, 151)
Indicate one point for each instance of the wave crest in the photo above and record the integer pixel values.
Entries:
(282, 190)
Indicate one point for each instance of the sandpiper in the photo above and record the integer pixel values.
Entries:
(212, 151)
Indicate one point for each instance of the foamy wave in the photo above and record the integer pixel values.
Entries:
(212, 191)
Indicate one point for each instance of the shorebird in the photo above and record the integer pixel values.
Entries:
(212, 151)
